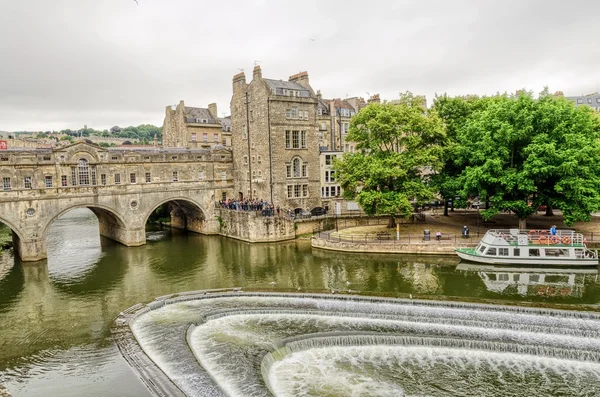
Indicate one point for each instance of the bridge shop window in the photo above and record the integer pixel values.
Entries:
(48, 181)
(175, 176)
(83, 171)
(117, 179)
(148, 177)
(223, 176)
(132, 177)
(103, 179)
(204, 137)
(27, 182)
(114, 158)
(63, 180)
(201, 176)
(5, 183)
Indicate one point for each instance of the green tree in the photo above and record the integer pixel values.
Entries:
(521, 152)
(398, 145)
(454, 112)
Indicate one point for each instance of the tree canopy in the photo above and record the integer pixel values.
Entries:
(398, 144)
(521, 152)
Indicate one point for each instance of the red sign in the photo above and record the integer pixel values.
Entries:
(3, 145)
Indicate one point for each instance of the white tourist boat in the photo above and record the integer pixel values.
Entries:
(531, 247)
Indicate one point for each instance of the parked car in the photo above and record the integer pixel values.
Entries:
(478, 204)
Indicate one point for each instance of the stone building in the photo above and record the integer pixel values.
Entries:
(194, 128)
(590, 100)
(276, 140)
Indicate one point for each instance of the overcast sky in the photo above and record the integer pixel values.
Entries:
(66, 63)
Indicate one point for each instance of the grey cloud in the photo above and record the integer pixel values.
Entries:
(65, 63)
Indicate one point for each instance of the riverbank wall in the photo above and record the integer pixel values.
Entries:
(388, 247)
(252, 227)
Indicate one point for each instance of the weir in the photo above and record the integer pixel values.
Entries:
(264, 344)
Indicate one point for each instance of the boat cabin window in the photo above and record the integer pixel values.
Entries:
(534, 252)
(491, 251)
(557, 252)
(482, 248)
(534, 278)
(503, 277)
(503, 251)
(517, 252)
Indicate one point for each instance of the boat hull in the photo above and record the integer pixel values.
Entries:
(528, 261)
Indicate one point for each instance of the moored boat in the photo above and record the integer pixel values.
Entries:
(531, 247)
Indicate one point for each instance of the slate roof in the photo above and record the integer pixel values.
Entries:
(225, 123)
(289, 85)
(592, 100)
(277, 86)
(342, 104)
(198, 113)
(323, 104)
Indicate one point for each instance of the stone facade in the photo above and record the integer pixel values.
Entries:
(122, 186)
(275, 141)
(189, 127)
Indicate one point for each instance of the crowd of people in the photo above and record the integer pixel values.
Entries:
(265, 208)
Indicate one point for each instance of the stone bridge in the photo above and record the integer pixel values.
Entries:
(122, 186)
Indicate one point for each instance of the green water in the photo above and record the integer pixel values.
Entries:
(55, 315)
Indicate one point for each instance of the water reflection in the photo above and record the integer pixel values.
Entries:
(535, 282)
(11, 280)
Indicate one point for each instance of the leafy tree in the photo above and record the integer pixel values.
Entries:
(521, 152)
(454, 111)
(398, 144)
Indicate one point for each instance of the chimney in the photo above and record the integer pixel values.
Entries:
(374, 99)
(256, 73)
(319, 95)
(212, 109)
(239, 80)
(302, 79)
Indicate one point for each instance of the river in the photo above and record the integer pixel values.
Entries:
(55, 315)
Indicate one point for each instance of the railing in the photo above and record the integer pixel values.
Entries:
(539, 237)
(391, 238)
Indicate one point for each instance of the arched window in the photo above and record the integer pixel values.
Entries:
(297, 167)
(83, 170)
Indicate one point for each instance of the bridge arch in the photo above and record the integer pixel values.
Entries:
(15, 229)
(185, 212)
(107, 217)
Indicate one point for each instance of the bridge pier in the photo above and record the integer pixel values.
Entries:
(194, 222)
(130, 237)
(31, 249)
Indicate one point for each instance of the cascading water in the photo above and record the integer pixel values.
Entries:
(244, 344)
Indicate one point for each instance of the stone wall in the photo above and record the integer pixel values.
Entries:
(433, 247)
(252, 227)
(306, 226)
